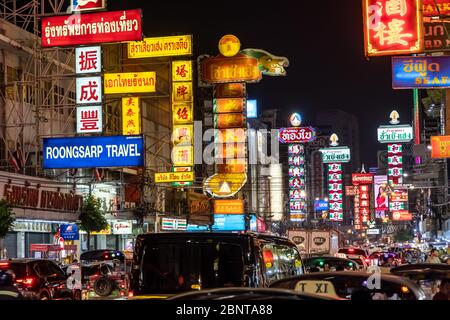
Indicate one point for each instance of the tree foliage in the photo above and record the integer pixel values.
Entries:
(6, 218)
(92, 217)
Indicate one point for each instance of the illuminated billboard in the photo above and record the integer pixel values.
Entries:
(161, 47)
(90, 28)
(131, 116)
(130, 82)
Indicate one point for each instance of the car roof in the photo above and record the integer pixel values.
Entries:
(328, 258)
(27, 260)
(243, 290)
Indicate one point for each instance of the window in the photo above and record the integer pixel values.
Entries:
(281, 261)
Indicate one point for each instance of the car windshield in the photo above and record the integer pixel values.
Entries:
(330, 264)
(20, 270)
(175, 267)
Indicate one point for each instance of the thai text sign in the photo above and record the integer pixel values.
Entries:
(161, 47)
(92, 152)
(130, 82)
(174, 176)
(88, 60)
(89, 90)
(421, 72)
(435, 33)
(89, 28)
(392, 27)
(362, 178)
(335, 155)
(89, 119)
(440, 147)
(402, 215)
(131, 116)
(229, 206)
(296, 135)
(432, 8)
(395, 134)
(239, 68)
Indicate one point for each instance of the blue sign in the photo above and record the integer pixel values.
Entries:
(92, 152)
(252, 109)
(253, 224)
(194, 227)
(320, 205)
(421, 72)
(69, 231)
(228, 222)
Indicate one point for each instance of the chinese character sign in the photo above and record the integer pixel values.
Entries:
(182, 92)
(395, 164)
(183, 156)
(183, 135)
(182, 113)
(88, 60)
(364, 204)
(89, 119)
(89, 90)
(131, 116)
(392, 27)
(182, 70)
(335, 191)
(297, 185)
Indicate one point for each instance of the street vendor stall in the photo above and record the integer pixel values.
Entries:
(55, 252)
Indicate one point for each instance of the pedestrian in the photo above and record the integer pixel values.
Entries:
(7, 289)
(444, 291)
(433, 257)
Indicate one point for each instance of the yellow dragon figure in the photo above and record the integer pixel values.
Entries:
(268, 64)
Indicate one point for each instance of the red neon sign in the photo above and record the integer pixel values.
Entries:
(76, 29)
(392, 27)
(432, 8)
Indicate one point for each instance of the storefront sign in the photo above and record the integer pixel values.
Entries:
(131, 116)
(392, 27)
(435, 32)
(69, 231)
(93, 152)
(320, 205)
(182, 92)
(183, 156)
(182, 70)
(88, 60)
(183, 135)
(170, 224)
(228, 105)
(161, 47)
(421, 72)
(182, 183)
(239, 68)
(335, 155)
(32, 226)
(182, 113)
(229, 206)
(89, 90)
(395, 134)
(35, 197)
(89, 28)
(296, 135)
(373, 231)
(440, 147)
(229, 120)
(364, 204)
(229, 45)
(163, 177)
(89, 119)
(130, 82)
(200, 207)
(362, 178)
(122, 227)
(102, 232)
(435, 8)
(87, 5)
(297, 190)
(229, 90)
(401, 215)
(381, 195)
(228, 222)
(335, 192)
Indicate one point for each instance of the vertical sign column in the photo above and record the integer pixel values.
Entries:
(395, 164)
(357, 218)
(364, 205)
(89, 90)
(182, 118)
(335, 191)
(297, 182)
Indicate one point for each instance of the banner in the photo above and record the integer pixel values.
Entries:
(421, 72)
(130, 82)
(89, 28)
(392, 27)
(161, 47)
(440, 147)
(381, 193)
(93, 152)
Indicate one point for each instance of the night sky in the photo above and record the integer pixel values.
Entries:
(323, 41)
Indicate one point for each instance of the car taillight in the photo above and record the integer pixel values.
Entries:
(351, 250)
(368, 260)
(4, 265)
(28, 282)
(130, 294)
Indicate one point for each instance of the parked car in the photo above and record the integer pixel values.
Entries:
(240, 293)
(354, 285)
(169, 263)
(39, 279)
(329, 263)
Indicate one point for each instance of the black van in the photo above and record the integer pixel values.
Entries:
(170, 263)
